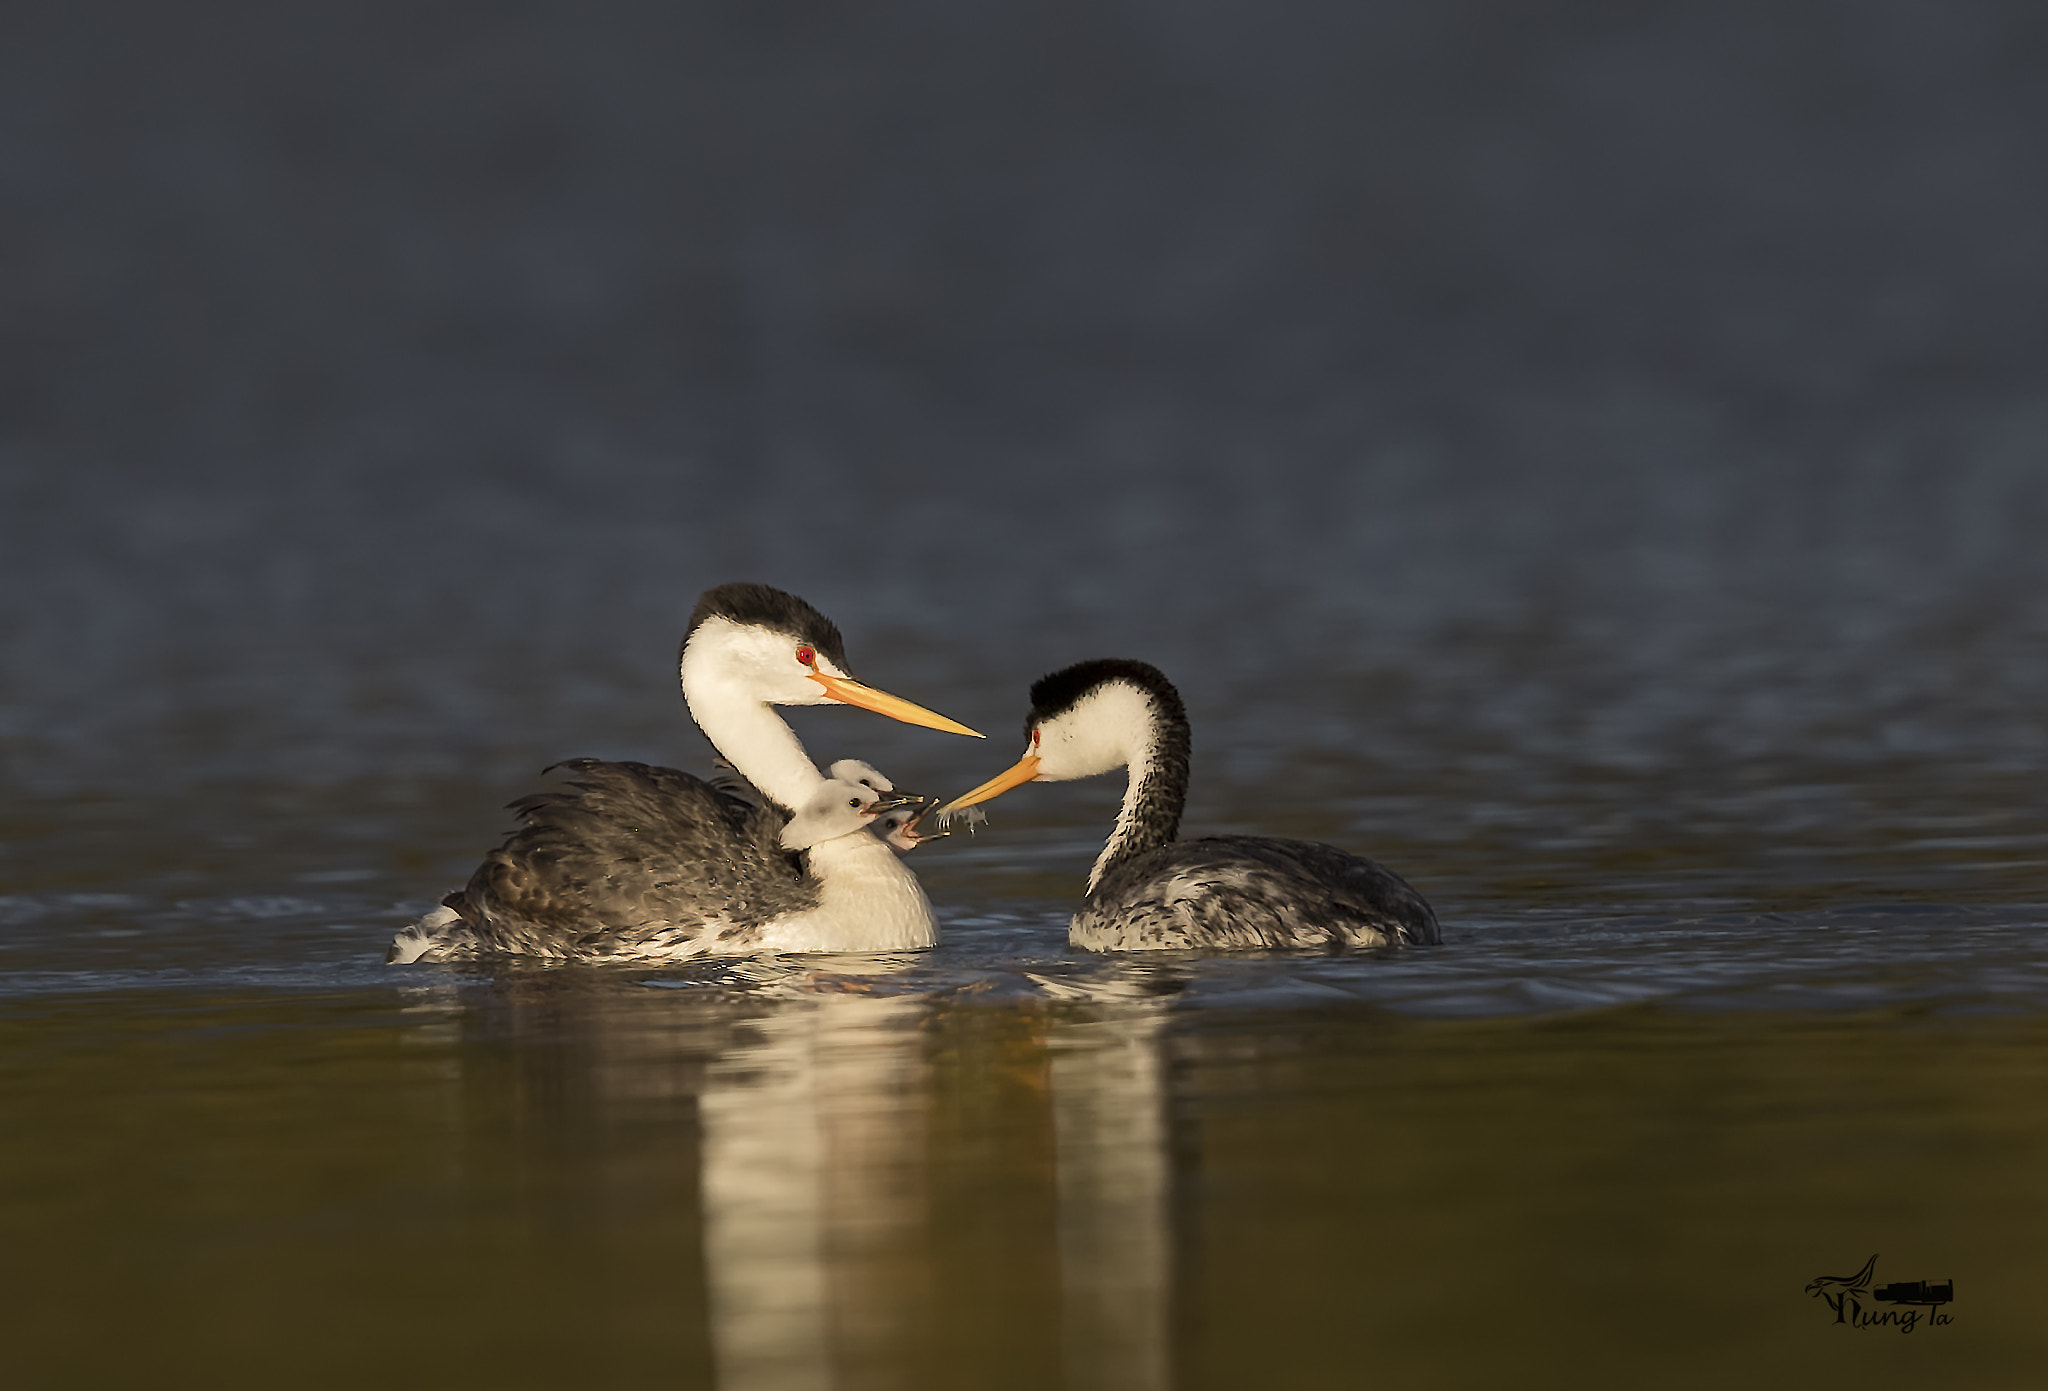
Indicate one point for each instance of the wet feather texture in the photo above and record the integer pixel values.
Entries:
(628, 860)
(623, 860)
(1250, 893)
(1152, 892)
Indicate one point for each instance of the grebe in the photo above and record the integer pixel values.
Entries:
(1149, 891)
(630, 861)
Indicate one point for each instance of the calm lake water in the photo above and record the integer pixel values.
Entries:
(1676, 1058)
(1594, 462)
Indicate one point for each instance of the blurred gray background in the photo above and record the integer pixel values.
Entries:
(379, 383)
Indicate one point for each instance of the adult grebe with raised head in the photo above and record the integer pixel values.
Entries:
(629, 861)
(1150, 891)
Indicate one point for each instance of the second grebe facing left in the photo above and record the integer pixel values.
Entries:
(1150, 891)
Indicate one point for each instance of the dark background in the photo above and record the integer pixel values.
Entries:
(1592, 458)
(379, 383)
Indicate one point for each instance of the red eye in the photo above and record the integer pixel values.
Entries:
(806, 655)
(1034, 738)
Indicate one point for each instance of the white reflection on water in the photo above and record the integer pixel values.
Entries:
(1115, 1187)
(909, 1162)
(815, 1184)
(810, 1126)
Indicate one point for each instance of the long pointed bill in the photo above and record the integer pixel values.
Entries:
(853, 692)
(1025, 770)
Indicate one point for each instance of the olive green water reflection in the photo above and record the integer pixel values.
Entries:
(559, 1179)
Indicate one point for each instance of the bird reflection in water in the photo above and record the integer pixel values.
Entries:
(813, 1142)
(894, 1186)
(1115, 1178)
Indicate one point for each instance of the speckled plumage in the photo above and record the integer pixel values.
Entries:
(629, 860)
(1150, 891)
(1250, 892)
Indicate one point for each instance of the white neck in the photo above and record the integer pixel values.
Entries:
(748, 733)
(870, 902)
(1136, 772)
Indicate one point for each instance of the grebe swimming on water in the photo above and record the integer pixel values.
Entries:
(1151, 891)
(630, 861)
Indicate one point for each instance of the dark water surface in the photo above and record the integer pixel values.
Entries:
(1593, 459)
(1603, 1134)
(832, 1179)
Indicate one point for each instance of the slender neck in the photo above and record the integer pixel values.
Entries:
(750, 736)
(1156, 792)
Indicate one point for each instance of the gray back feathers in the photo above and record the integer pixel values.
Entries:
(627, 854)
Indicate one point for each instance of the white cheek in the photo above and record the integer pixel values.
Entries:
(1108, 729)
(1067, 754)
